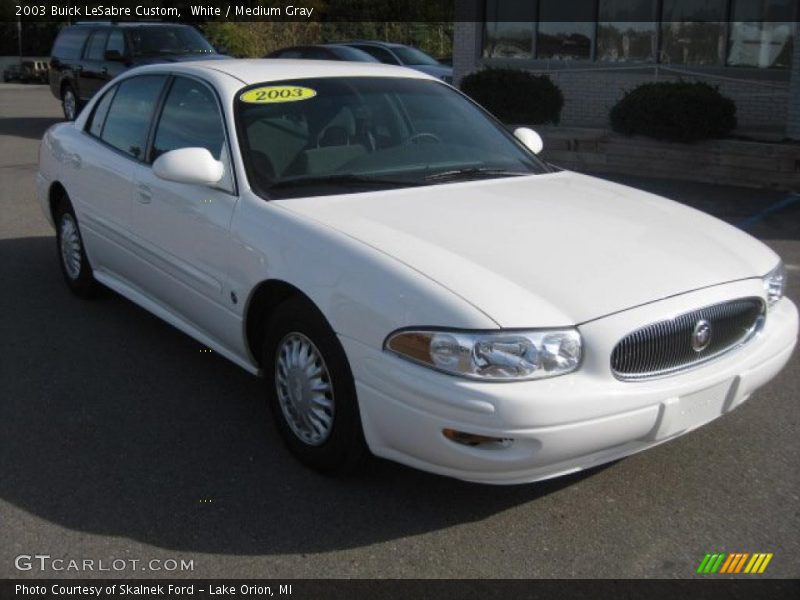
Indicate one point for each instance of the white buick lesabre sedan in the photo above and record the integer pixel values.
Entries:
(409, 278)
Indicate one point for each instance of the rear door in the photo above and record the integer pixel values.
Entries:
(117, 55)
(92, 75)
(102, 169)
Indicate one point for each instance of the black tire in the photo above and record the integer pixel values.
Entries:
(344, 449)
(77, 276)
(70, 104)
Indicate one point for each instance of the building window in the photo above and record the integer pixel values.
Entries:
(509, 29)
(750, 33)
(761, 33)
(626, 31)
(566, 29)
(693, 32)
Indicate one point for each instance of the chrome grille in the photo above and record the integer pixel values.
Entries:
(667, 346)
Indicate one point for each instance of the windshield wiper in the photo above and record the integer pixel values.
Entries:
(473, 173)
(336, 180)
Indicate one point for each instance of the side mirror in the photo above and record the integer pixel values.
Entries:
(113, 56)
(189, 165)
(531, 139)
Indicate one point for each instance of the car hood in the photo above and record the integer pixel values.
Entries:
(546, 250)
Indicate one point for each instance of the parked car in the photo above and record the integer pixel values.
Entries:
(405, 273)
(407, 56)
(34, 71)
(88, 55)
(12, 73)
(323, 52)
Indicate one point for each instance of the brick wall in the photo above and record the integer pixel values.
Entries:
(589, 95)
(466, 37)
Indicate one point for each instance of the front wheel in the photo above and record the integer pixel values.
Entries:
(310, 389)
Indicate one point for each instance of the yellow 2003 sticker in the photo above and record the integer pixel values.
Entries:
(277, 93)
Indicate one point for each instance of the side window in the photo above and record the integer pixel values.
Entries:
(95, 125)
(97, 45)
(316, 54)
(116, 42)
(130, 114)
(190, 119)
(69, 44)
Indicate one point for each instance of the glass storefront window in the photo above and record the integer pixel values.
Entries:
(566, 29)
(508, 39)
(509, 27)
(761, 33)
(626, 31)
(693, 32)
(749, 33)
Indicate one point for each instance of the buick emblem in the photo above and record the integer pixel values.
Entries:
(701, 336)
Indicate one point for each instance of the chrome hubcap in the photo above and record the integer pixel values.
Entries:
(70, 247)
(304, 389)
(69, 104)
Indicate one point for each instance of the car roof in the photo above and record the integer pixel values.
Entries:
(257, 70)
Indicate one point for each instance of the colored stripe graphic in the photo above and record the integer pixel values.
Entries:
(727, 564)
(703, 563)
(754, 563)
(740, 564)
(734, 563)
(764, 564)
(718, 562)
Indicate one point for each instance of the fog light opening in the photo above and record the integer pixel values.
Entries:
(473, 439)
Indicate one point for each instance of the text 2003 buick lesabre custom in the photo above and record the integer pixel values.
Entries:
(408, 277)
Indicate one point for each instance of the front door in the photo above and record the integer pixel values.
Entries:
(184, 228)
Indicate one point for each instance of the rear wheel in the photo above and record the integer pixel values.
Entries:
(72, 257)
(311, 391)
(69, 103)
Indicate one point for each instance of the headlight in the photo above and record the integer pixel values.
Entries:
(774, 284)
(492, 356)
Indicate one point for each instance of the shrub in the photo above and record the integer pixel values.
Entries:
(515, 96)
(676, 111)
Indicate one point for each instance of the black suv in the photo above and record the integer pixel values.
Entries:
(87, 55)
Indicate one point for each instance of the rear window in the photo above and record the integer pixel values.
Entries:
(131, 112)
(70, 43)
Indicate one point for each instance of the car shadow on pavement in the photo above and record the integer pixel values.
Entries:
(27, 127)
(113, 422)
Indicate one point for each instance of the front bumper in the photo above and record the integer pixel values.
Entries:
(568, 423)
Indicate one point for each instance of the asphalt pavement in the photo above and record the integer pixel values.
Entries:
(121, 440)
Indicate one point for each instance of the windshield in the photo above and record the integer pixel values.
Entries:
(412, 56)
(155, 41)
(339, 135)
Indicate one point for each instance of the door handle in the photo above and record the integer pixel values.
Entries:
(145, 194)
(104, 70)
